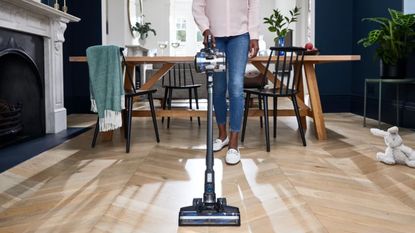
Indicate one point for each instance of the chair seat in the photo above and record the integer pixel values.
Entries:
(139, 92)
(271, 92)
(183, 87)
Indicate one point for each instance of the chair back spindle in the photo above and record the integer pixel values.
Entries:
(178, 77)
(288, 64)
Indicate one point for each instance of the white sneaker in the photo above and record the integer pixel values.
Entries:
(219, 144)
(233, 156)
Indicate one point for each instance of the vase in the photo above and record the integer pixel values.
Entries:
(141, 41)
(281, 43)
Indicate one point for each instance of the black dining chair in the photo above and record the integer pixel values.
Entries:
(180, 77)
(288, 68)
(129, 99)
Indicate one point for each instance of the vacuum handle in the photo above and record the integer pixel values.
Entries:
(209, 41)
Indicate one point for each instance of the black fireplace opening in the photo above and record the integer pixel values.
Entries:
(10, 119)
(22, 92)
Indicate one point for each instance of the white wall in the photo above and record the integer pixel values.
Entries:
(266, 7)
(301, 34)
(114, 12)
(116, 19)
(409, 6)
(158, 13)
(104, 21)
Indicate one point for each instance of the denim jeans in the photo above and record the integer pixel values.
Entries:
(236, 49)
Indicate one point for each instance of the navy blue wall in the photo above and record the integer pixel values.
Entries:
(368, 67)
(78, 37)
(334, 35)
(338, 28)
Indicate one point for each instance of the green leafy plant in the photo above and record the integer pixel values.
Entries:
(280, 24)
(143, 29)
(394, 37)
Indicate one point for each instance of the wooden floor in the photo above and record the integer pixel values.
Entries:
(328, 186)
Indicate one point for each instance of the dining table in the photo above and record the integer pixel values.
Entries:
(308, 83)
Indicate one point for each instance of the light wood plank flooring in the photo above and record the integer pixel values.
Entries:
(328, 186)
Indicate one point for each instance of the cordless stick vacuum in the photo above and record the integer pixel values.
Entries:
(209, 211)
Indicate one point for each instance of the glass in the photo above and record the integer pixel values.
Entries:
(162, 46)
(175, 45)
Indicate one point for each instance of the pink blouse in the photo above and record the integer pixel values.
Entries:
(227, 17)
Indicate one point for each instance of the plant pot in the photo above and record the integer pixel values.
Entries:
(393, 71)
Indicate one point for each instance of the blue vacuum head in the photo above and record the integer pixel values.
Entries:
(209, 214)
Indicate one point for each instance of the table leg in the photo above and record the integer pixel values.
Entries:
(317, 111)
(157, 76)
(130, 69)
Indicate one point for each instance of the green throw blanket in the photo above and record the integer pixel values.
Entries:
(106, 85)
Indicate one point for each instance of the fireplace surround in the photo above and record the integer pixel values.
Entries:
(34, 18)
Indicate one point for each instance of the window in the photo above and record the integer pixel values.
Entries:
(181, 29)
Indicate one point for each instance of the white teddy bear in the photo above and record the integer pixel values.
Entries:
(396, 152)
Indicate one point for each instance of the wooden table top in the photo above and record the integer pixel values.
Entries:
(180, 59)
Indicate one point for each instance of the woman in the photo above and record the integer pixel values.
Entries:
(234, 27)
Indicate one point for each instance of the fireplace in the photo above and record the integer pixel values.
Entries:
(10, 121)
(22, 92)
(31, 64)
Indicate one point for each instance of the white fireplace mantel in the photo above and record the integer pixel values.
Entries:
(37, 18)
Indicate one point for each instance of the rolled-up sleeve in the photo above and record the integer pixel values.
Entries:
(253, 19)
(199, 14)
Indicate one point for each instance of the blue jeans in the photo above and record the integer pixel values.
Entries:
(236, 49)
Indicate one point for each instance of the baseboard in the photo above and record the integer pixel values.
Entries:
(335, 103)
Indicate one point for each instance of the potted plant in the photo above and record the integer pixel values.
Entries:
(143, 29)
(280, 24)
(395, 40)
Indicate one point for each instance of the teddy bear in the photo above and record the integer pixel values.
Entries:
(396, 152)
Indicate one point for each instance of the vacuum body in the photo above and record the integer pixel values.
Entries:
(209, 210)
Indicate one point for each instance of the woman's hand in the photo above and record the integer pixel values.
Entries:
(206, 34)
(253, 48)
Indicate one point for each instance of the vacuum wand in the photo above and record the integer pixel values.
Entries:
(209, 195)
(209, 211)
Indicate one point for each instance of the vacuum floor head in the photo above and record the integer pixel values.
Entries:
(209, 214)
